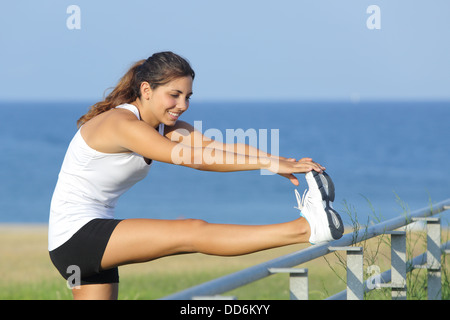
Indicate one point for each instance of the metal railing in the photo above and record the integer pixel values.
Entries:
(394, 278)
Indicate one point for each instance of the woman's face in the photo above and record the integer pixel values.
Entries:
(166, 103)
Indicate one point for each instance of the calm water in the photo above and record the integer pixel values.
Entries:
(374, 151)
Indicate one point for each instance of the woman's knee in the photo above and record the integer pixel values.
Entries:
(196, 223)
(194, 230)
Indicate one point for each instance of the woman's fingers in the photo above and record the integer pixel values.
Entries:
(288, 166)
(291, 178)
(316, 166)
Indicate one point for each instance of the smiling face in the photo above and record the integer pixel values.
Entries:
(166, 103)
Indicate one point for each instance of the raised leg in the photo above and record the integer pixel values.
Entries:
(141, 240)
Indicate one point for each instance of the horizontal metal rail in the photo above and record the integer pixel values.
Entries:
(257, 272)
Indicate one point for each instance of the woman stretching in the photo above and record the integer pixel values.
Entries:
(117, 140)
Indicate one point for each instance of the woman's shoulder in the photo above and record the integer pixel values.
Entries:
(107, 124)
(130, 107)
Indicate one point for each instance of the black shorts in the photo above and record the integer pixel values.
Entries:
(81, 255)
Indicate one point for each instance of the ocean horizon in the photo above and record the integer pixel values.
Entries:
(383, 156)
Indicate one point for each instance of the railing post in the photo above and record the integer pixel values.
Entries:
(434, 259)
(433, 264)
(298, 282)
(398, 264)
(355, 272)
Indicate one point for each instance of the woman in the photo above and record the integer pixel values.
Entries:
(113, 149)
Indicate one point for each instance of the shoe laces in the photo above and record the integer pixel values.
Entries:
(302, 200)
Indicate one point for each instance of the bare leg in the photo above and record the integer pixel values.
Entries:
(107, 291)
(140, 240)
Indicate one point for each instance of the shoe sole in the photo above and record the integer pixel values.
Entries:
(326, 188)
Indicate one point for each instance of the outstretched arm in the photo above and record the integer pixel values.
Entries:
(186, 134)
(179, 146)
(137, 136)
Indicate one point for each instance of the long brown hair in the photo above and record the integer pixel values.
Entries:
(157, 70)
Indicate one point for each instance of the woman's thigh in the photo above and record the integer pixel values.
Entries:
(141, 240)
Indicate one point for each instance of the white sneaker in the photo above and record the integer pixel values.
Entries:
(316, 207)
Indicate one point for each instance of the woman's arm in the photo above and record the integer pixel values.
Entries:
(186, 134)
(126, 133)
(137, 136)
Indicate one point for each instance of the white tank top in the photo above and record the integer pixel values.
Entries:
(89, 184)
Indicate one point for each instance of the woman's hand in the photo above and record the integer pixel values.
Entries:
(287, 167)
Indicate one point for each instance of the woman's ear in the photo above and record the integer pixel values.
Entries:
(146, 90)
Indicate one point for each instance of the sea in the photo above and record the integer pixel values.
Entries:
(386, 158)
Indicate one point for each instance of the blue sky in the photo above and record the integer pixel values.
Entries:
(240, 49)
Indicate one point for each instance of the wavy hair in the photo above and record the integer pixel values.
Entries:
(157, 70)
